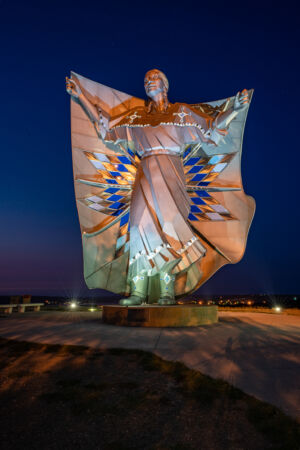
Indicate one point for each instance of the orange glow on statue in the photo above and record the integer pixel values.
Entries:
(158, 188)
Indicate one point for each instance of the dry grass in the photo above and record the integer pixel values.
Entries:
(67, 397)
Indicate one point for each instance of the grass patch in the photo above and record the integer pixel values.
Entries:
(65, 349)
(135, 390)
(58, 396)
(67, 383)
(18, 347)
(99, 387)
(274, 423)
(22, 373)
(191, 382)
(91, 398)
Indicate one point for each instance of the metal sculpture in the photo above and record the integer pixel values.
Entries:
(158, 188)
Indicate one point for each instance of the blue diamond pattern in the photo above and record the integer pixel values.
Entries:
(114, 198)
(111, 181)
(116, 205)
(111, 190)
(124, 160)
(192, 161)
(187, 152)
(202, 193)
(124, 219)
(195, 209)
(198, 201)
(195, 169)
(215, 159)
(192, 217)
(117, 213)
(115, 174)
(199, 177)
(121, 168)
(199, 196)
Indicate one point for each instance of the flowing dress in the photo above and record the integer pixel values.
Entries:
(161, 238)
(158, 201)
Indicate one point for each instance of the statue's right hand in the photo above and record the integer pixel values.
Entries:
(72, 88)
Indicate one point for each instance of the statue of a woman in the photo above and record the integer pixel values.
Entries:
(159, 176)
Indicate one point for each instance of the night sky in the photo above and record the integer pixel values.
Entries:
(209, 51)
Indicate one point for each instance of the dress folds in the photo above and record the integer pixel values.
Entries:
(161, 238)
(158, 193)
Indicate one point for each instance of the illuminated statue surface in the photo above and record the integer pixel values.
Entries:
(158, 188)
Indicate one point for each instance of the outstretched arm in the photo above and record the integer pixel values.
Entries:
(240, 103)
(95, 114)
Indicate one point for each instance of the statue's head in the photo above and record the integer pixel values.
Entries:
(155, 82)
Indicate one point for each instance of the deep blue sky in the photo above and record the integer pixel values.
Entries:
(209, 50)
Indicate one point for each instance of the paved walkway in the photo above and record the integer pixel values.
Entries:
(259, 353)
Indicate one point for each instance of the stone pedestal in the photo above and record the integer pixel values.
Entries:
(160, 316)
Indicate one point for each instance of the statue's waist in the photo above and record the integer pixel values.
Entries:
(160, 151)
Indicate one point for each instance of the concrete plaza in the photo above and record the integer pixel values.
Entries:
(256, 352)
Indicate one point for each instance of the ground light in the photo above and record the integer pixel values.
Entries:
(278, 309)
(73, 305)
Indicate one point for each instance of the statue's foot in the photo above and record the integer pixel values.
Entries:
(131, 301)
(166, 301)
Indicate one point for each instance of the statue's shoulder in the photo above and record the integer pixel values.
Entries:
(208, 109)
(200, 110)
(134, 116)
(176, 107)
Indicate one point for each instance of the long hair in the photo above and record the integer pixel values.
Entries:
(151, 106)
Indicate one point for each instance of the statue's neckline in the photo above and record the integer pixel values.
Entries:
(177, 114)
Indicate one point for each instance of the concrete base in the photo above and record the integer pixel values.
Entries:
(160, 316)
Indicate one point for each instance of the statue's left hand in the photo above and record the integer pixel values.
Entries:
(241, 100)
(72, 88)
